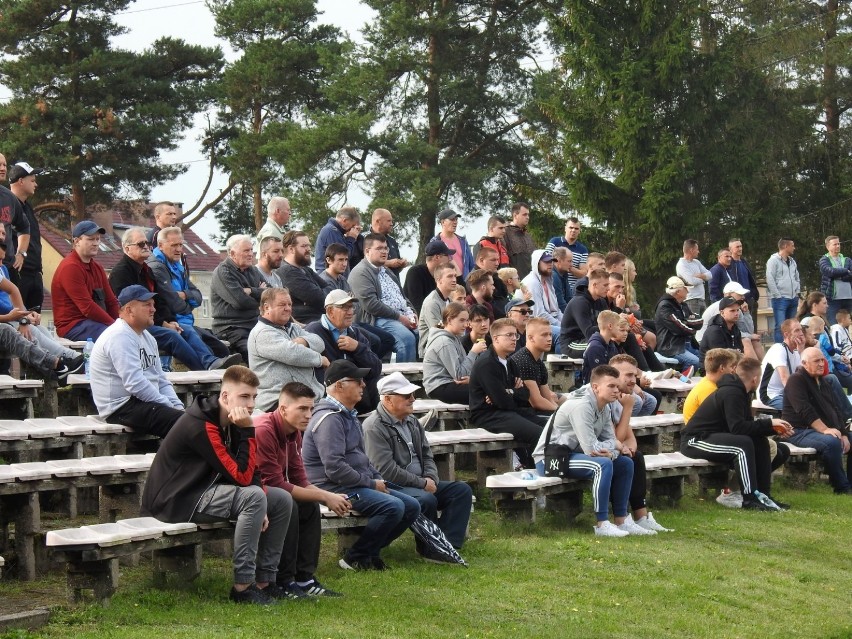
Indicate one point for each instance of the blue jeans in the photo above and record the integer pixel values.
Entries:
(783, 308)
(186, 346)
(831, 450)
(689, 357)
(642, 408)
(777, 402)
(405, 339)
(84, 329)
(611, 480)
(389, 516)
(453, 499)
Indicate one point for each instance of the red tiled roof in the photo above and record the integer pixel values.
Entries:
(200, 256)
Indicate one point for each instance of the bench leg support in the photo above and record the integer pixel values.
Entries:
(185, 561)
(98, 576)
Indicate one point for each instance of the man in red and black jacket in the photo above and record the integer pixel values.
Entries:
(206, 470)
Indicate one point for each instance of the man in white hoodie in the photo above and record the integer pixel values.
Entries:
(540, 283)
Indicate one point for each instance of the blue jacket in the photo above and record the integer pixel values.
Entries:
(598, 352)
(829, 273)
(331, 233)
(171, 277)
(467, 255)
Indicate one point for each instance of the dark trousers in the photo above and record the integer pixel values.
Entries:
(32, 289)
(639, 487)
(237, 337)
(525, 428)
(453, 499)
(302, 544)
(451, 393)
(750, 456)
(381, 341)
(148, 418)
(213, 342)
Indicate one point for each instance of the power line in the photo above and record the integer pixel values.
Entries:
(165, 6)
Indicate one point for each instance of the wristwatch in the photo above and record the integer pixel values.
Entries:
(23, 321)
(24, 253)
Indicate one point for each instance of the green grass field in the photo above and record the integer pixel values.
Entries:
(723, 573)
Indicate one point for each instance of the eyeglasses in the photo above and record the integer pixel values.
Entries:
(409, 396)
(521, 311)
(511, 336)
(141, 245)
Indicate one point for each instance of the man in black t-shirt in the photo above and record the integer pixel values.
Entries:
(22, 182)
(12, 216)
(530, 367)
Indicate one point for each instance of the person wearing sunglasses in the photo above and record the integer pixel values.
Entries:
(397, 446)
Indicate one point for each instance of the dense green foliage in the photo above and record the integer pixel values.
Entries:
(97, 116)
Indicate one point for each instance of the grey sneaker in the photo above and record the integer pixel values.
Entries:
(649, 523)
(429, 421)
(225, 362)
(632, 528)
(730, 499)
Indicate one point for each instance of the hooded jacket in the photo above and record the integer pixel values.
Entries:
(198, 453)
(543, 292)
(728, 410)
(598, 352)
(445, 360)
(580, 320)
(782, 277)
(674, 326)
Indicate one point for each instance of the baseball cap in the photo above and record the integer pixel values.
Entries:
(343, 368)
(437, 247)
(337, 297)
(134, 292)
(22, 170)
(734, 287)
(395, 384)
(519, 302)
(87, 227)
(448, 214)
(674, 283)
(726, 302)
(546, 257)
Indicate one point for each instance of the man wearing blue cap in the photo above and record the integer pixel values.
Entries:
(128, 383)
(83, 302)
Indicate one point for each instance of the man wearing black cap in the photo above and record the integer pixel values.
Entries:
(723, 331)
(335, 460)
(83, 302)
(128, 384)
(420, 278)
(22, 182)
(14, 218)
(448, 220)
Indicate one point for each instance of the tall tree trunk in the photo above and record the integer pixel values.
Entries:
(78, 198)
(433, 115)
(258, 206)
(829, 87)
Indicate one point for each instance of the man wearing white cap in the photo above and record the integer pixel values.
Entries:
(675, 325)
(751, 340)
(397, 446)
(344, 341)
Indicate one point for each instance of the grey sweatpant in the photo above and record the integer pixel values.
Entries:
(15, 344)
(256, 554)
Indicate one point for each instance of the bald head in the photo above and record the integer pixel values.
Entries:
(813, 362)
(812, 353)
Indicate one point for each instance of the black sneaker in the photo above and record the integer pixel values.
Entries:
(225, 362)
(315, 589)
(290, 592)
(348, 563)
(251, 595)
(68, 366)
(378, 564)
(750, 502)
(780, 504)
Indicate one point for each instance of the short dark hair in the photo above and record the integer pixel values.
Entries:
(689, 244)
(517, 206)
(478, 310)
(372, 238)
(614, 257)
(604, 370)
(748, 367)
(494, 220)
(784, 242)
(334, 249)
(478, 277)
(295, 390)
(239, 374)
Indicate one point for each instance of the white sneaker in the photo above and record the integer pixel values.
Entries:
(516, 462)
(609, 529)
(730, 499)
(649, 523)
(632, 528)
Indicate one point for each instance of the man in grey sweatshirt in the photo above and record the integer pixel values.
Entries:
(782, 282)
(128, 384)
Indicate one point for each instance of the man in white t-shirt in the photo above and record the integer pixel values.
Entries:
(781, 361)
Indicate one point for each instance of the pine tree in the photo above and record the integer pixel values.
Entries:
(97, 116)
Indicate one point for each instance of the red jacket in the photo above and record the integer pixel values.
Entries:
(498, 246)
(72, 290)
(279, 456)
